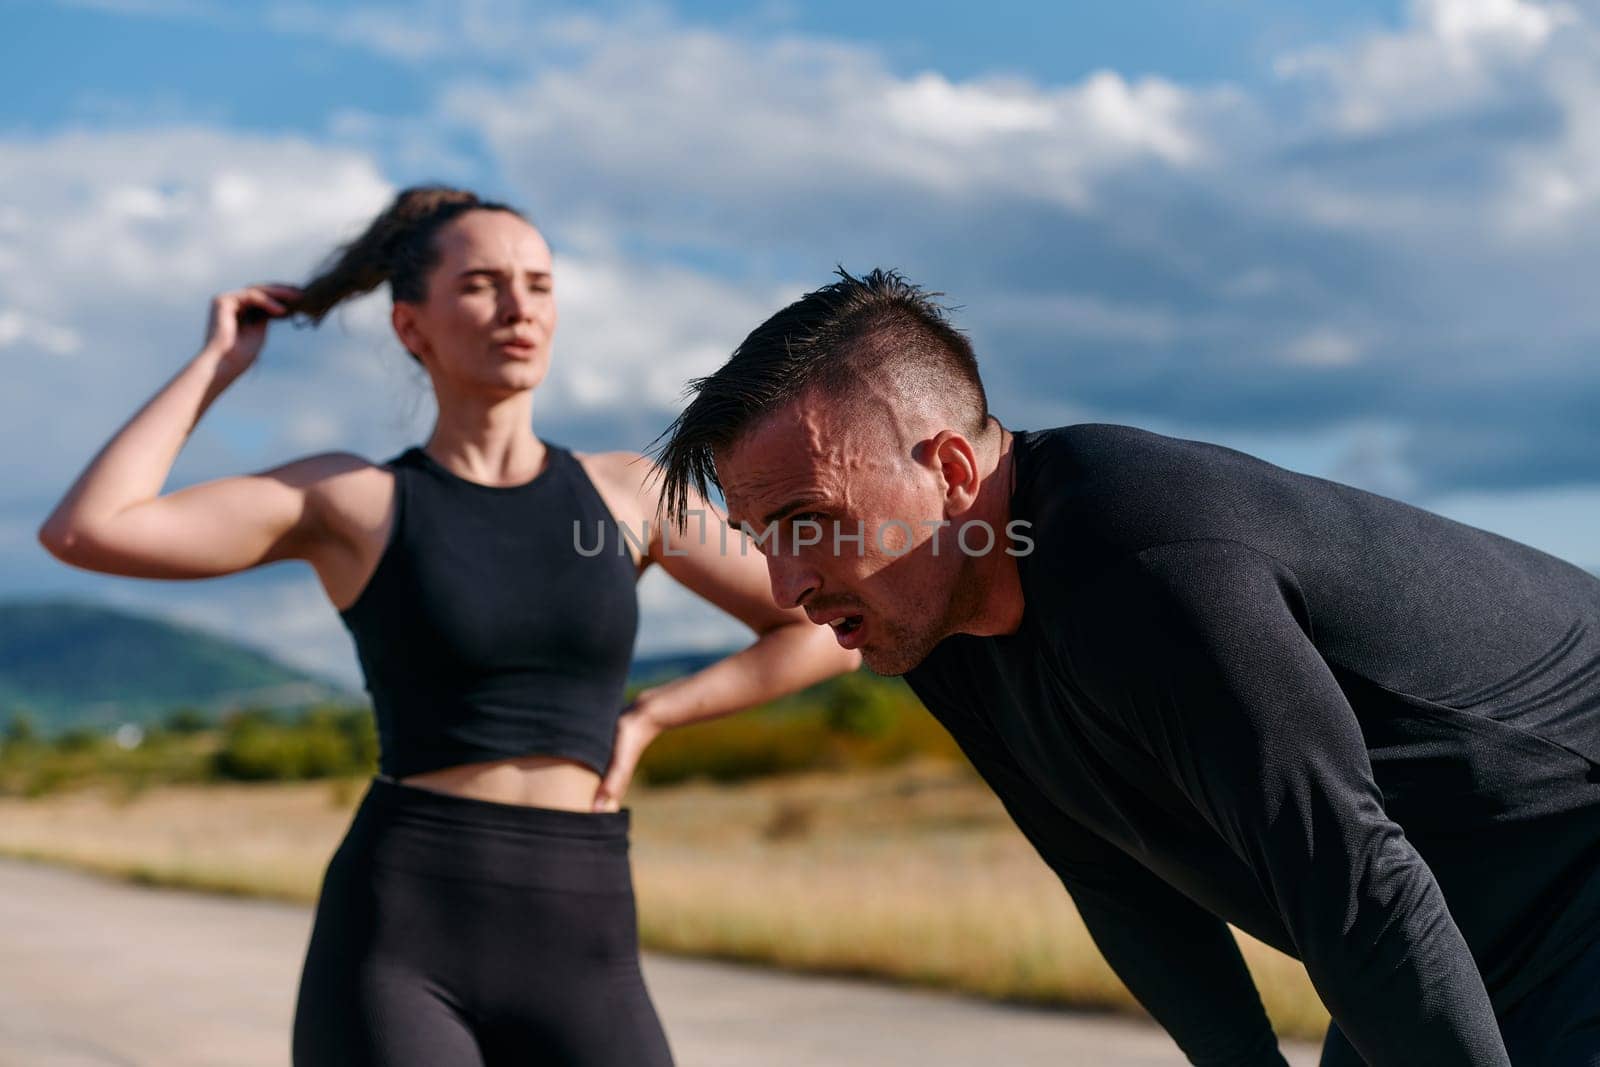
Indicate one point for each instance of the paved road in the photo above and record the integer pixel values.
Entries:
(96, 973)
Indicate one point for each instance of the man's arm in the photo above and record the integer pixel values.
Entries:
(1177, 959)
(1204, 652)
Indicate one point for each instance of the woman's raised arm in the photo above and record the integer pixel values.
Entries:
(114, 518)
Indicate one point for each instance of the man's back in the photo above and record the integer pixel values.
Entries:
(1401, 596)
(1241, 679)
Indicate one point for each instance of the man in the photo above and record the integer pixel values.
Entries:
(1207, 689)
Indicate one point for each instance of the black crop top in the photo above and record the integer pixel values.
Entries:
(500, 619)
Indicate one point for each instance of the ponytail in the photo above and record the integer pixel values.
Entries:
(397, 248)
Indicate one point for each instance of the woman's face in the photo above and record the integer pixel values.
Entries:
(489, 311)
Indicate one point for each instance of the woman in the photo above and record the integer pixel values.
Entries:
(480, 907)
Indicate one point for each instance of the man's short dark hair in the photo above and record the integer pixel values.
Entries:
(878, 327)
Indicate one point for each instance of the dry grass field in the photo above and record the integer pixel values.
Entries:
(913, 874)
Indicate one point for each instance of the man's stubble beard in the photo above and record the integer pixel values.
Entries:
(902, 647)
(902, 650)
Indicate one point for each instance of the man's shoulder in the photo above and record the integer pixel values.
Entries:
(1106, 489)
(1101, 455)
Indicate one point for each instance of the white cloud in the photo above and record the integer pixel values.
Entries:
(1467, 23)
(686, 113)
(965, 114)
(1474, 123)
(429, 31)
(1554, 185)
(1105, 114)
(165, 216)
(1453, 54)
(631, 335)
(17, 327)
(1323, 347)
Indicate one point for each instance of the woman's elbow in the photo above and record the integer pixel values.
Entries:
(58, 537)
(73, 543)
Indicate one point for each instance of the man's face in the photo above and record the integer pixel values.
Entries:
(805, 482)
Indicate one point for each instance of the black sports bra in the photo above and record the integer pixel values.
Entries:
(492, 627)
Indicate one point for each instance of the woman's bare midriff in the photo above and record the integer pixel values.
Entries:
(535, 781)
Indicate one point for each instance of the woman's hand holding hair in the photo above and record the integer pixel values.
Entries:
(238, 325)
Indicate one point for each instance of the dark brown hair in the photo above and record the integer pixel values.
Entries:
(876, 327)
(397, 247)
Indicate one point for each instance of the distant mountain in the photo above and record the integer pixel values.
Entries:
(71, 663)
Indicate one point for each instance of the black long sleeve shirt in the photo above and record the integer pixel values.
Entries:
(1361, 732)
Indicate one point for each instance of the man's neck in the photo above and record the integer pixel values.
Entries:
(992, 580)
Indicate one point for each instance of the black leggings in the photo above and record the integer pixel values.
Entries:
(453, 932)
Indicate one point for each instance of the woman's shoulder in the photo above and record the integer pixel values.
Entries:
(626, 484)
(349, 492)
(337, 471)
(621, 471)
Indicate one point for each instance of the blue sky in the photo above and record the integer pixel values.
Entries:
(1357, 239)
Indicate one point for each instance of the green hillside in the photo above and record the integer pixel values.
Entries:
(71, 663)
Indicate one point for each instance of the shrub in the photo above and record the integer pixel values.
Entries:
(187, 720)
(327, 741)
(252, 752)
(857, 720)
(79, 739)
(860, 703)
(737, 747)
(21, 730)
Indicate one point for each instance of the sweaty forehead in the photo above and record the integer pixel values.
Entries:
(803, 452)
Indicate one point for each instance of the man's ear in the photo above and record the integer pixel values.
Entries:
(957, 463)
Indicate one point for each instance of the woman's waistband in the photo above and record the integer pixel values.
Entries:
(444, 836)
(419, 803)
